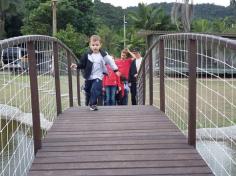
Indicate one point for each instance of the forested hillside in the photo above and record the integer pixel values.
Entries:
(78, 19)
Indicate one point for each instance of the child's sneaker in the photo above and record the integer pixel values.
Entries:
(93, 108)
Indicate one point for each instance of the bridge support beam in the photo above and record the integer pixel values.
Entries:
(162, 75)
(144, 81)
(192, 93)
(57, 77)
(34, 96)
(150, 79)
(69, 79)
(78, 87)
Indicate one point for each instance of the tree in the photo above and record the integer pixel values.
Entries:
(6, 6)
(13, 25)
(225, 25)
(110, 39)
(133, 40)
(181, 14)
(77, 42)
(38, 20)
(201, 25)
(150, 18)
(78, 13)
(107, 14)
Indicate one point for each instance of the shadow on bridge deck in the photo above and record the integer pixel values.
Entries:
(118, 140)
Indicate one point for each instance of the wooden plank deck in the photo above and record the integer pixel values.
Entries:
(118, 140)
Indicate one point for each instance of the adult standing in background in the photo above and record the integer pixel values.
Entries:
(133, 73)
(123, 64)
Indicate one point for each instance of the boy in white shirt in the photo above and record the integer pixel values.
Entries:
(93, 64)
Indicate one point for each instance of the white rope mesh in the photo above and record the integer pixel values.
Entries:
(46, 84)
(16, 150)
(16, 133)
(176, 83)
(63, 71)
(216, 97)
(156, 78)
(216, 106)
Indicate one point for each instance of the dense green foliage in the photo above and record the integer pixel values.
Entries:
(107, 14)
(77, 42)
(147, 17)
(78, 19)
(8, 10)
(78, 13)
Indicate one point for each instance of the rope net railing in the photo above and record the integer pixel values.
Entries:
(146, 92)
(46, 84)
(156, 76)
(18, 138)
(176, 82)
(215, 95)
(193, 82)
(147, 80)
(63, 72)
(15, 110)
(216, 105)
(140, 86)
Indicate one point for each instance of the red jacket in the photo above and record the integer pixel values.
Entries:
(111, 79)
(124, 66)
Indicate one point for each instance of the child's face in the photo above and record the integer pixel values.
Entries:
(123, 55)
(95, 46)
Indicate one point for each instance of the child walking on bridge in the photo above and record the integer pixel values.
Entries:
(93, 63)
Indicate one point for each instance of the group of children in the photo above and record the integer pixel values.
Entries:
(113, 77)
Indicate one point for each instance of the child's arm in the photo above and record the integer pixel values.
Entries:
(132, 54)
(81, 64)
(73, 66)
(118, 82)
(108, 59)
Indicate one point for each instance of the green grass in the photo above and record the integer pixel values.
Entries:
(15, 92)
(216, 101)
(215, 97)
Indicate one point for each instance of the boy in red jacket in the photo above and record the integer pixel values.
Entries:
(123, 64)
(111, 86)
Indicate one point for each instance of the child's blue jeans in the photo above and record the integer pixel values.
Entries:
(93, 89)
(111, 95)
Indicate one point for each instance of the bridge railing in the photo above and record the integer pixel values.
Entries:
(35, 87)
(194, 84)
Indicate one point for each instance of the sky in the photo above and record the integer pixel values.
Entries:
(127, 3)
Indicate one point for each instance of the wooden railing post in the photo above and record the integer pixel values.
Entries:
(150, 79)
(34, 96)
(78, 87)
(69, 79)
(144, 81)
(162, 74)
(192, 58)
(57, 77)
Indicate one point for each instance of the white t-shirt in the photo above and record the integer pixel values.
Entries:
(138, 63)
(99, 65)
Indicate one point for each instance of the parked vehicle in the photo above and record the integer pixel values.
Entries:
(11, 58)
(16, 59)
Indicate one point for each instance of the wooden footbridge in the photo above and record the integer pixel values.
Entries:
(118, 140)
(183, 123)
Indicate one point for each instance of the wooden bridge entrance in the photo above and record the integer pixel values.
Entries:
(119, 140)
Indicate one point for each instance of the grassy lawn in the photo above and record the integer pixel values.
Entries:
(216, 101)
(15, 92)
(16, 95)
